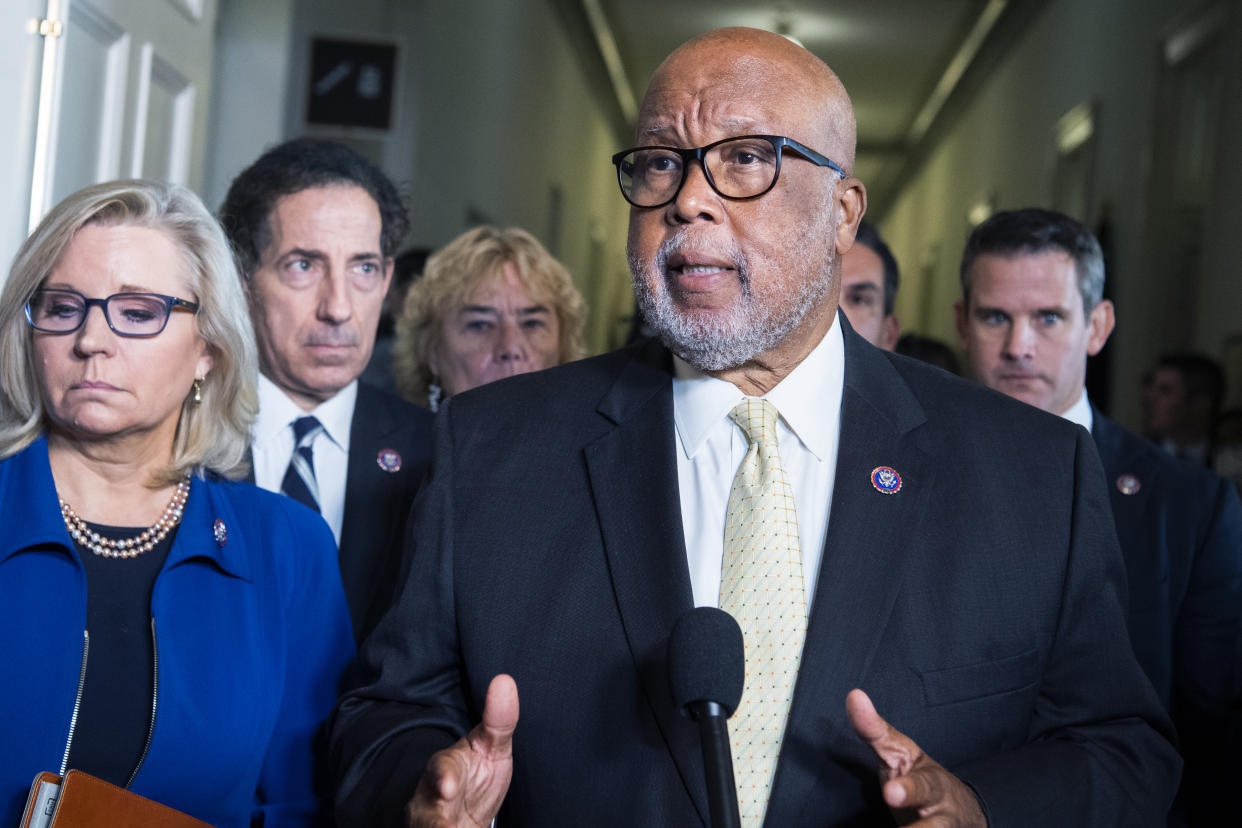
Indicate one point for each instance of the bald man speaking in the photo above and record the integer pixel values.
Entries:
(925, 572)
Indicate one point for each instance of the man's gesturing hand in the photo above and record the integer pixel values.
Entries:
(916, 788)
(463, 786)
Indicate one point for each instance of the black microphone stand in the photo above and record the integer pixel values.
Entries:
(713, 721)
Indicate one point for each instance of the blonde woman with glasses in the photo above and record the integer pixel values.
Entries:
(162, 627)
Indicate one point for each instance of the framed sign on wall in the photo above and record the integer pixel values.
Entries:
(351, 84)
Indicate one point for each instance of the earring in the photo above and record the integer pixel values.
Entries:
(434, 393)
(198, 390)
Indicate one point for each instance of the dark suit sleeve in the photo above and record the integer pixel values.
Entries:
(411, 703)
(1100, 749)
(378, 498)
(1207, 698)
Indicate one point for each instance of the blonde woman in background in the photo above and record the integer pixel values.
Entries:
(491, 304)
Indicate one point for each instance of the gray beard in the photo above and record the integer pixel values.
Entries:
(732, 337)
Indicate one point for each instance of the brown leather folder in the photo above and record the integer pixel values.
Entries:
(85, 801)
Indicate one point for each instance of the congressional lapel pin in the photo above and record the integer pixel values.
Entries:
(1128, 484)
(886, 480)
(389, 460)
(220, 532)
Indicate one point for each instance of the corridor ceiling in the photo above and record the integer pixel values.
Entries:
(906, 63)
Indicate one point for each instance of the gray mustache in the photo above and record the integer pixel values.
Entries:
(682, 240)
(347, 340)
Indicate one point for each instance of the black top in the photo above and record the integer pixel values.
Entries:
(116, 701)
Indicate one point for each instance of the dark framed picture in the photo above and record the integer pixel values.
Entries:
(351, 83)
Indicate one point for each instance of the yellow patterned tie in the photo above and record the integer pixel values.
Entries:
(761, 586)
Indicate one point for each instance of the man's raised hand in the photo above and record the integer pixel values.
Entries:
(464, 785)
(917, 789)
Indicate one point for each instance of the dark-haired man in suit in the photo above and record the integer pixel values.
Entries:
(1032, 311)
(869, 281)
(314, 227)
(931, 605)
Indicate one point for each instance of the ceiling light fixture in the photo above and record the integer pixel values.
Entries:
(966, 53)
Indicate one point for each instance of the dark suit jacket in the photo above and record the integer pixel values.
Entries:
(377, 500)
(979, 607)
(1181, 538)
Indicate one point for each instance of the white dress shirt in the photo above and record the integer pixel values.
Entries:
(272, 445)
(1080, 412)
(710, 447)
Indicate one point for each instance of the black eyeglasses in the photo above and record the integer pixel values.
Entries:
(743, 167)
(60, 311)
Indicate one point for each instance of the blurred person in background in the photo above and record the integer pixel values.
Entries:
(1182, 396)
(869, 281)
(490, 304)
(163, 627)
(929, 350)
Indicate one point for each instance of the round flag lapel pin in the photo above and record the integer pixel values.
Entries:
(1128, 484)
(886, 480)
(389, 460)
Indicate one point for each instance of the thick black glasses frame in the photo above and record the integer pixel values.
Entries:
(170, 302)
(778, 142)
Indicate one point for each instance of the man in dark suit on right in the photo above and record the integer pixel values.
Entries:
(1031, 313)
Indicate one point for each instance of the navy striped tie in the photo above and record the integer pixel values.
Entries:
(299, 482)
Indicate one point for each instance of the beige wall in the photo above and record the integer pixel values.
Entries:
(505, 119)
(250, 80)
(1002, 148)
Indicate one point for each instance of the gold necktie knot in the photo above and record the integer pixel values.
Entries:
(757, 419)
(761, 468)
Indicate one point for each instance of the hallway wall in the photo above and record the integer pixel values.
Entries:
(494, 122)
(1002, 150)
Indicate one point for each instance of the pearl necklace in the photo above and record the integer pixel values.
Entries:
(147, 540)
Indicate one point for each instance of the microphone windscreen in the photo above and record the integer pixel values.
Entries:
(706, 659)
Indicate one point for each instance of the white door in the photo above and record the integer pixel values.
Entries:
(119, 89)
(21, 55)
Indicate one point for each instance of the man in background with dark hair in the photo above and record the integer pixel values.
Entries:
(1031, 313)
(930, 350)
(314, 227)
(869, 280)
(1182, 396)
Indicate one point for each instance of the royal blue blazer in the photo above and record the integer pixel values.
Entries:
(252, 637)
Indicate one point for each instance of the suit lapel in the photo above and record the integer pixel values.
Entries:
(1121, 460)
(1108, 443)
(370, 424)
(871, 536)
(633, 477)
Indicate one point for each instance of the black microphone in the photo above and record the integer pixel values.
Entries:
(706, 670)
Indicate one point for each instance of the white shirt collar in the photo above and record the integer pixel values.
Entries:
(277, 411)
(1080, 412)
(802, 398)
